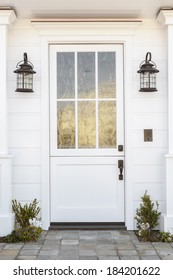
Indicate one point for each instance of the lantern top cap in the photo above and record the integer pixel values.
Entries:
(148, 65)
(25, 66)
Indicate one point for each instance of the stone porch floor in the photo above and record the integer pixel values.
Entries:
(87, 245)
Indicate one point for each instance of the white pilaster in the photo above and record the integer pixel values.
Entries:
(3, 99)
(6, 216)
(165, 17)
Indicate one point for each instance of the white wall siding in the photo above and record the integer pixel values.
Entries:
(26, 192)
(24, 115)
(149, 112)
(26, 174)
(26, 156)
(23, 103)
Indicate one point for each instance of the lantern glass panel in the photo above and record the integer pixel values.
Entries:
(148, 80)
(152, 80)
(28, 81)
(24, 81)
(19, 81)
(145, 80)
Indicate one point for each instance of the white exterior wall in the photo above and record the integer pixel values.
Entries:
(24, 115)
(149, 110)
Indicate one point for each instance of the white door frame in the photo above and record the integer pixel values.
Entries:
(69, 33)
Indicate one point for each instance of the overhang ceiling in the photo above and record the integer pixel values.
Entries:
(87, 8)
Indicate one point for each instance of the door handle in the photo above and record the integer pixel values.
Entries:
(120, 166)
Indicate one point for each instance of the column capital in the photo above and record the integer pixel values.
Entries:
(7, 16)
(165, 16)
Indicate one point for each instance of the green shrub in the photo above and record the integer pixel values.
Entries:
(166, 237)
(28, 234)
(25, 213)
(147, 217)
(28, 228)
(12, 238)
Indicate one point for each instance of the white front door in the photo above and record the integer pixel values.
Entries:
(86, 133)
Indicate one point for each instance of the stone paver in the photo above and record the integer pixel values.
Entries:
(127, 252)
(29, 252)
(87, 245)
(70, 242)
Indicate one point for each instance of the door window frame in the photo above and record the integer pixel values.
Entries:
(118, 49)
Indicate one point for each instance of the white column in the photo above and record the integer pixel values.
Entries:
(6, 216)
(166, 224)
(3, 99)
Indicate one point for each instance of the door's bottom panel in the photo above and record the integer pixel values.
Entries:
(86, 191)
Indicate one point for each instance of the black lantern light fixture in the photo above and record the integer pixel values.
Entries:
(24, 73)
(147, 72)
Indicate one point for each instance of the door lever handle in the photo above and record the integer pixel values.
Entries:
(120, 166)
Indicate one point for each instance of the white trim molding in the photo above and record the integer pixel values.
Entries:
(6, 215)
(166, 220)
(7, 17)
(165, 17)
(94, 27)
(85, 33)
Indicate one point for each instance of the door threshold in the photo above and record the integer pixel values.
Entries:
(87, 226)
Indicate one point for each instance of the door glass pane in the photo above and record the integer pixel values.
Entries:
(106, 75)
(96, 119)
(65, 125)
(86, 74)
(65, 75)
(86, 124)
(107, 124)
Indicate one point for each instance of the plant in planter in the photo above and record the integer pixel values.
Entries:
(28, 227)
(147, 216)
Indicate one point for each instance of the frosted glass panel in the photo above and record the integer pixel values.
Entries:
(65, 75)
(107, 124)
(106, 75)
(86, 124)
(81, 123)
(65, 125)
(86, 74)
